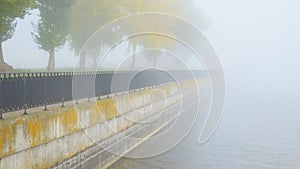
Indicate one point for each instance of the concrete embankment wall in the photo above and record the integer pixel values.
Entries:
(45, 139)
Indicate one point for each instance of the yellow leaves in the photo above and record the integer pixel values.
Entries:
(160, 6)
(90, 15)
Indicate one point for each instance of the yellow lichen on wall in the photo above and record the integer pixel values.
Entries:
(24, 132)
(69, 119)
(6, 138)
(111, 111)
(102, 105)
(96, 114)
(1, 142)
(34, 130)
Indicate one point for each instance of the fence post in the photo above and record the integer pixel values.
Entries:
(45, 93)
(25, 96)
(62, 91)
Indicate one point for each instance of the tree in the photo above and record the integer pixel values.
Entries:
(10, 10)
(52, 30)
(174, 7)
(89, 15)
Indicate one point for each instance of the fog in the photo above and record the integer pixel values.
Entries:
(257, 43)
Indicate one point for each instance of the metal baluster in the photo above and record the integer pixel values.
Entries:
(25, 96)
(76, 95)
(45, 93)
(62, 91)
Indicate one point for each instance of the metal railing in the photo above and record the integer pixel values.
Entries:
(20, 91)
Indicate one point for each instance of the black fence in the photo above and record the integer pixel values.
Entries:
(20, 91)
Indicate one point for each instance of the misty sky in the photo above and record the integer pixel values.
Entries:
(257, 42)
(257, 33)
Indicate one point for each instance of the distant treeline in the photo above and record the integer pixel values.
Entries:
(74, 21)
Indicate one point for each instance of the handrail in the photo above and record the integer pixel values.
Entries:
(20, 91)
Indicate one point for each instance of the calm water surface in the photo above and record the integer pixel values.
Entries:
(254, 137)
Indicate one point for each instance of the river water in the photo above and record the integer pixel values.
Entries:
(250, 136)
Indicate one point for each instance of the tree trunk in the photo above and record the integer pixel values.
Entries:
(133, 58)
(4, 67)
(1, 54)
(51, 62)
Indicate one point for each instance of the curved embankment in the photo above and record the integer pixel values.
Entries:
(51, 138)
